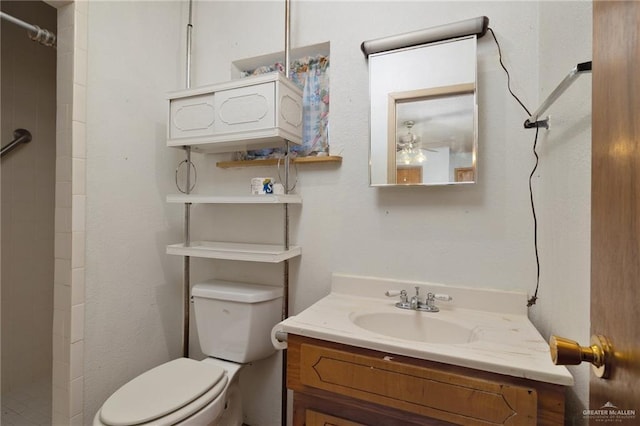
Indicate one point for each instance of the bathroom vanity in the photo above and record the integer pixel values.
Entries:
(354, 359)
(353, 386)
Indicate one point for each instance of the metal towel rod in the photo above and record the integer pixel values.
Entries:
(19, 136)
(534, 121)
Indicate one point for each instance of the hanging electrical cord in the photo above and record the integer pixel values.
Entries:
(507, 72)
(532, 300)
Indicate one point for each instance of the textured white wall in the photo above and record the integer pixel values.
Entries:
(563, 187)
(478, 235)
(132, 288)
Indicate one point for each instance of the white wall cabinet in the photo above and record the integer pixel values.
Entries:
(249, 113)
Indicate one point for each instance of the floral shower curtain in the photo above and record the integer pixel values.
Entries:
(311, 75)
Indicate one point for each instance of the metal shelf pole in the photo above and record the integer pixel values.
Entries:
(186, 266)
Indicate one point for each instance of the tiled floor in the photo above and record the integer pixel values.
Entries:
(27, 406)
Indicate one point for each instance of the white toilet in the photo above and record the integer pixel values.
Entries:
(234, 322)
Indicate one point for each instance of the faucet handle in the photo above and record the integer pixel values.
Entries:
(395, 293)
(431, 297)
(429, 306)
(443, 297)
(404, 300)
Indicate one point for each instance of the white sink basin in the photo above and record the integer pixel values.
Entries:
(412, 325)
(498, 338)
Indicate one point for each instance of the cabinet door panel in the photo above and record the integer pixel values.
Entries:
(314, 418)
(424, 391)
(245, 108)
(191, 117)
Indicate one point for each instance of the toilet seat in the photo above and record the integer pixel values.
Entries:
(168, 394)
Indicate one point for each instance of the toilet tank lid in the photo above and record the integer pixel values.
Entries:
(236, 291)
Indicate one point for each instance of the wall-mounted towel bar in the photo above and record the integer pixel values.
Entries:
(533, 122)
(19, 136)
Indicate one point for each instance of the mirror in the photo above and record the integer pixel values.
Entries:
(424, 115)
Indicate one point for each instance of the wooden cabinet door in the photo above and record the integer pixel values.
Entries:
(314, 418)
(426, 392)
(615, 217)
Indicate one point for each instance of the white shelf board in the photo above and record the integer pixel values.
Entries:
(234, 199)
(250, 64)
(269, 253)
(272, 137)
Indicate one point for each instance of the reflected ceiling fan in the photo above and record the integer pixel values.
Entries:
(407, 147)
(439, 135)
(410, 141)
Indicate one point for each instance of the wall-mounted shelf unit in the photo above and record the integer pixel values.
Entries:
(258, 112)
(250, 113)
(269, 253)
(335, 159)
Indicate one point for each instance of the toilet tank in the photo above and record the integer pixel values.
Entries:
(234, 320)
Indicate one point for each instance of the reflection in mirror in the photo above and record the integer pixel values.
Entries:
(431, 138)
(423, 115)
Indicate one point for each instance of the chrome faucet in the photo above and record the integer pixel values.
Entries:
(415, 304)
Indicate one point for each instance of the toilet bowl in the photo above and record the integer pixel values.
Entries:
(182, 391)
(233, 321)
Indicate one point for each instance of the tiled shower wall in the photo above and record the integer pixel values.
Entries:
(68, 314)
(28, 181)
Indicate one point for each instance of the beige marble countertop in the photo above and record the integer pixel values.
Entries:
(501, 339)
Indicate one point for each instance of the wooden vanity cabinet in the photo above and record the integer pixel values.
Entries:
(341, 385)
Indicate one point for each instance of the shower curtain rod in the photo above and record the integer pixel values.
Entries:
(36, 33)
(533, 122)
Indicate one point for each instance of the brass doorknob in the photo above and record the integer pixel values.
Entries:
(568, 352)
